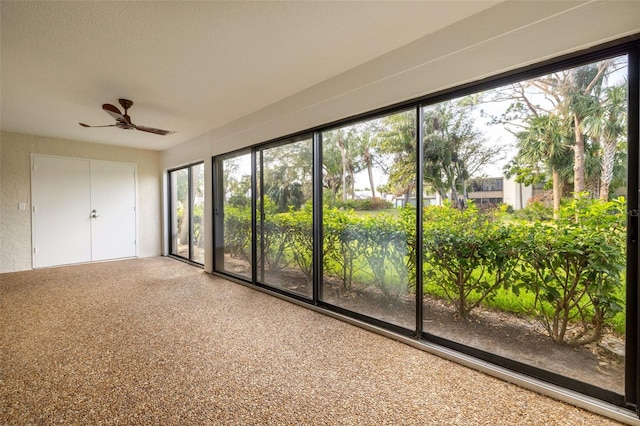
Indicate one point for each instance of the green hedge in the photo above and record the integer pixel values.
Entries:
(571, 266)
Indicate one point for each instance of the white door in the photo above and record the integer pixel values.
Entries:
(60, 189)
(113, 203)
(83, 210)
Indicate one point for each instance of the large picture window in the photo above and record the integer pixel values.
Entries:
(538, 278)
(499, 221)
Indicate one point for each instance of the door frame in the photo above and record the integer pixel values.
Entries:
(190, 204)
(89, 160)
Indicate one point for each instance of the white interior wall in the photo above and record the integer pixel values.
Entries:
(506, 37)
(15, 172)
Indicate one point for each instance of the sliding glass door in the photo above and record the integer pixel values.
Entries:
(368, 255)
(186, 212)
(284, 216)
(233, 215)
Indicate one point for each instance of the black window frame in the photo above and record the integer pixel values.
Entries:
(217, 177)
(629, 46)
(256, 239)
(187, 167)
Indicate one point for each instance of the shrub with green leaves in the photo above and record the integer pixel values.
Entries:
(573, 266)
(274, 243)
(343, 245)
(272, 236)
(237, 231)
(386, 251)
(198, 218)
(297, 226)
(364, 204)
(468, 255)
(534, 211)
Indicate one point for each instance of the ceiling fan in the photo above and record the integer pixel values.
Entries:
(123, 121)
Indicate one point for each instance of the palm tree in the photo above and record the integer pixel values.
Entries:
(364, 150)
(545, 147)
(571, 94)
(580, 90)
(607, 123)
(397, 145)
(339, 140)
(342, 144)
(454, 149)
(367, 151)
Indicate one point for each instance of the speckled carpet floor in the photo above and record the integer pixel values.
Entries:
(156, 341)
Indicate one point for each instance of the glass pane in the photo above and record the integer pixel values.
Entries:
(285, 212)
(233, 215)
(525, 224)
(369, 183)
(197, 213)
(180, 212)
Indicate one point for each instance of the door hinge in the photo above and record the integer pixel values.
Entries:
(35, 250)
(33, 208)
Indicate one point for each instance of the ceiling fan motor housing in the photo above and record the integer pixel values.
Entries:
(126, 104)
(124, 125)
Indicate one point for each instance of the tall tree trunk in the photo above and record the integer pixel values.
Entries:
(345, 168)
(578, 163)
(454, 196)
(520, 195)
(352, 183)
(367, 159)
(557, 192)
(606, 176)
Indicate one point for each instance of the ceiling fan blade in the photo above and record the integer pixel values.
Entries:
(87, 125)
(155, 131)
(114, 112)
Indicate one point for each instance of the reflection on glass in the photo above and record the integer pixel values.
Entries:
(523, 231)
(179, 212)
(369, 196)
(524, 227)
(197, 213)
(235, 211)
(285, 216)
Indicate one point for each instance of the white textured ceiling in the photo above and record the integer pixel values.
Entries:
(188, 66)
